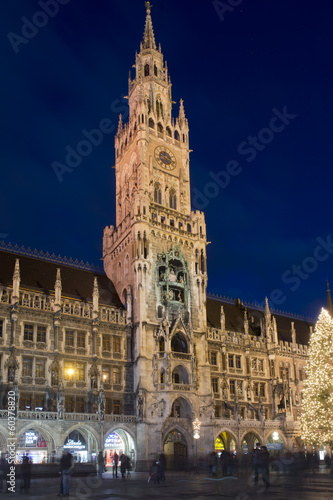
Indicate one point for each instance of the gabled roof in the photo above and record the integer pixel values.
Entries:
(40, 275)
(234, 320)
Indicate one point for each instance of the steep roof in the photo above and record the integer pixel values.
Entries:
(234, 320)
(39, 275)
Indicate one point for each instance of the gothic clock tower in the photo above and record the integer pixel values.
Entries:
(156, 258)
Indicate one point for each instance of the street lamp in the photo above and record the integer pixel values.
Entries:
(196, 434)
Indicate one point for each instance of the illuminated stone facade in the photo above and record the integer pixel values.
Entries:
(143, 351)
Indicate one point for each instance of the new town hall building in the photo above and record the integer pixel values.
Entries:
(139, 359)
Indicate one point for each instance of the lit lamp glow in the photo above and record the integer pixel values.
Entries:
(70, 372)
(196, 428)
(275, 436)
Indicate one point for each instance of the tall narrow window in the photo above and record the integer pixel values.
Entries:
(173, 199)
(28, 332)
(158, 194)
(146, 69)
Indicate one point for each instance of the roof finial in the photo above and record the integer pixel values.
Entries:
(148, 36)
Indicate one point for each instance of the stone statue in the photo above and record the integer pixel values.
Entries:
(101, 404)
(61, 401)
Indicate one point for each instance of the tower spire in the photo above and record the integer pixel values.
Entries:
(148, 36)
(329, 300)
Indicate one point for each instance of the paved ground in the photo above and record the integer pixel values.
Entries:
(317, 486)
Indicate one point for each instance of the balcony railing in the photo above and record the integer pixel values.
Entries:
(39, 301)
(53, 415)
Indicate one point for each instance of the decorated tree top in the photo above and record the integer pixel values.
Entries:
(317, 416)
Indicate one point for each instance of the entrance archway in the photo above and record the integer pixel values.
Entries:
(119, 441)
(225, 442)
(175, 450)
(249, 442)
(33, 444)
(82, 443)
(275, 442)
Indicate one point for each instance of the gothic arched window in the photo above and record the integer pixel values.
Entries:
(177, 135)
(158, 194)
(160, 127)
(155, 70)
(151, 123)
(178, 343)
(168, 132)
(173, 199)
(146, 69)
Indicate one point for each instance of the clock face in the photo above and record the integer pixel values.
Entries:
(165, 158)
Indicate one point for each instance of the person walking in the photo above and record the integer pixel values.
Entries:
(115, 464)
(162, 461)
(26, 474)
(123, 465)
(264, 458)
(66, 466)
(100, 464)
(256, 459)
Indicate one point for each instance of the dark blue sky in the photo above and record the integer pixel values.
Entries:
(235, 71)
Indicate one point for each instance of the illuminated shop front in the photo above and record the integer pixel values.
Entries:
(76, 444)
(33, 445)
(113, 443)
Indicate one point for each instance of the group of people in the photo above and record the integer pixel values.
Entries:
(125, 465)
(224, 463)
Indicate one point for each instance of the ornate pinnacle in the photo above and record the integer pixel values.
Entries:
(148, 7)
(148, 36)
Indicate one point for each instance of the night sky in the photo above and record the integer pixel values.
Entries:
(256, 81)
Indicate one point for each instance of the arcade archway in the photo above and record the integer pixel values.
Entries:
(119, 441)
(249, 442)
(225, 442)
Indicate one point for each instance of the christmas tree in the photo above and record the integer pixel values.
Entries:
(317, 414)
